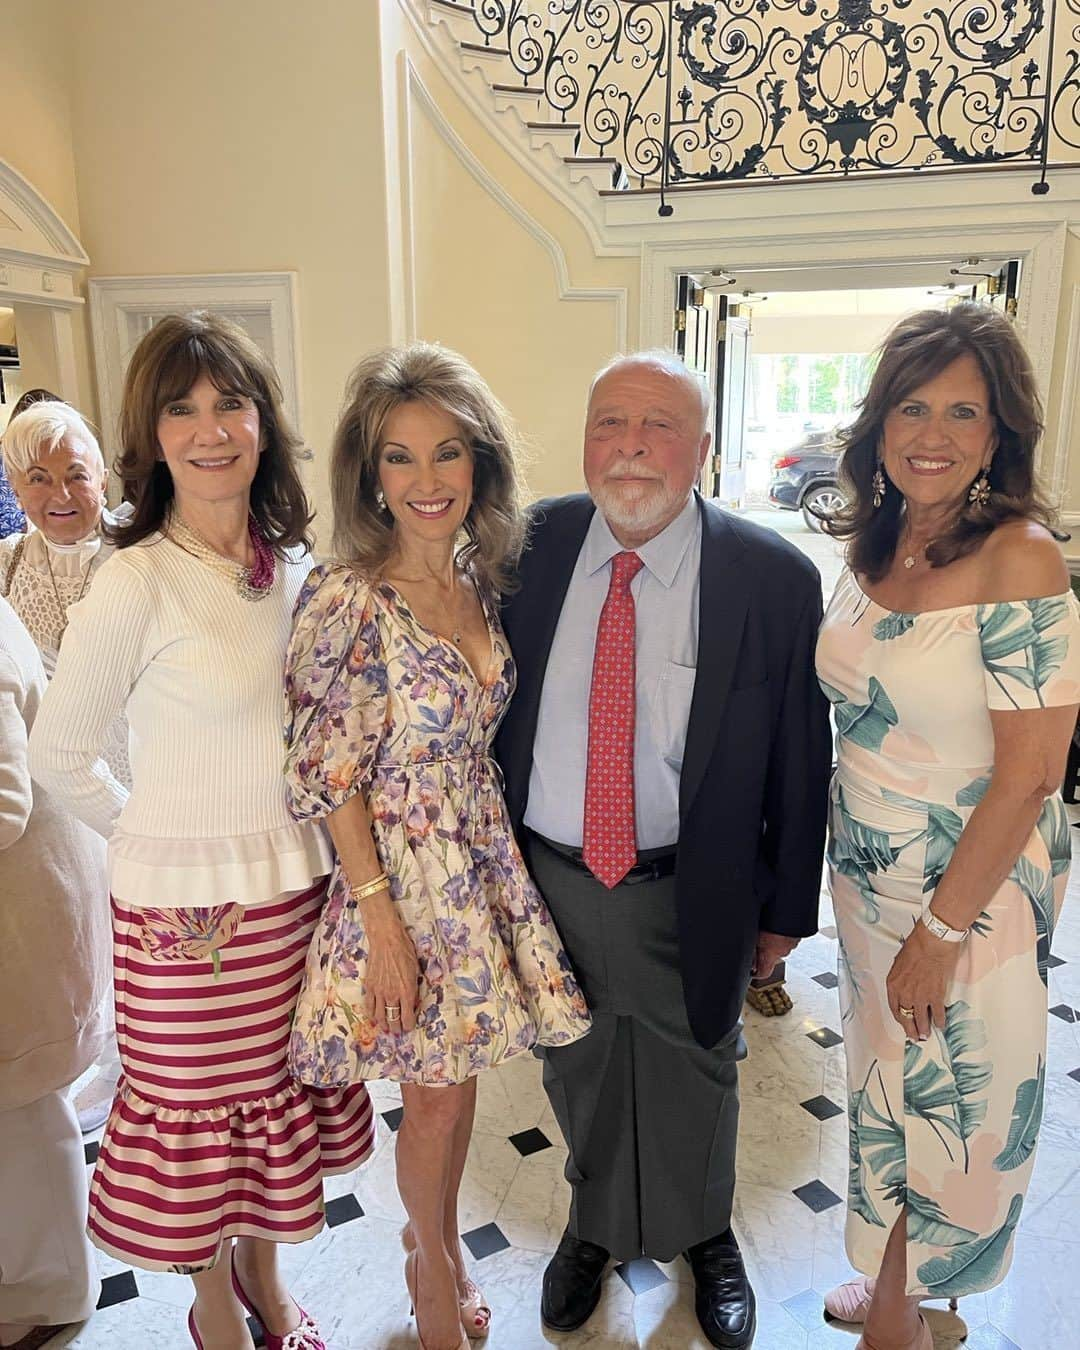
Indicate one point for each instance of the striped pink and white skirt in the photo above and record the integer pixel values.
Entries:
(209, 1137)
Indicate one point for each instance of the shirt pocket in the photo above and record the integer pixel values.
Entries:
(671, 711)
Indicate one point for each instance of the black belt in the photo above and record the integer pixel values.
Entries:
(652, 865)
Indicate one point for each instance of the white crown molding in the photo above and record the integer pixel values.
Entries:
(416, 92)
(121, 306)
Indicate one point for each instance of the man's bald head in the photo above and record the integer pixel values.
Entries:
(667, 363)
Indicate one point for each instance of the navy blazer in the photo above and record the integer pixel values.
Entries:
(753, 793)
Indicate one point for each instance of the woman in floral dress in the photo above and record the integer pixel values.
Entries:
(435, 958)
(951, 654)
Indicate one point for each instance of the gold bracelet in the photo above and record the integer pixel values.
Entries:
(361, 892)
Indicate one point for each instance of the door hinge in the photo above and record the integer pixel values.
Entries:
(680, 321)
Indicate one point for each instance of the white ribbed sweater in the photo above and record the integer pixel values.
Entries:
(198, 670)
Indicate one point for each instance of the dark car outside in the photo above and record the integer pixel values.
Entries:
(805, 478)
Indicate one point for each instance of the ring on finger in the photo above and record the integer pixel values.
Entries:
(393, 1011)
(905, 1012)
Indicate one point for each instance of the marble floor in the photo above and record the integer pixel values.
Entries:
(789, 1216)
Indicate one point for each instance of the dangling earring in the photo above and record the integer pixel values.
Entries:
(979, 494)
(380, 499)
(878, 484)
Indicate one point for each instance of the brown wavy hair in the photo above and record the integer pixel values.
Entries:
(169, 359)
(426, 373)
(917, 349)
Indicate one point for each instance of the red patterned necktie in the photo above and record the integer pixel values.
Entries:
(610, 845)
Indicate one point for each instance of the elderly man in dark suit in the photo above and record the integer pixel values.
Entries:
(666, 761)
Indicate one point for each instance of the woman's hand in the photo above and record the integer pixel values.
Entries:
(393, 972)
(918, 979)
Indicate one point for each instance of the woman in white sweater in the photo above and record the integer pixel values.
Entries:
(54, 945)
(216, 890)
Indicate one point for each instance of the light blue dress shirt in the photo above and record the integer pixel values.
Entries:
(665, 595)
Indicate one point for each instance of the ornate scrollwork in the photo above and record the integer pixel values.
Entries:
(682, 91)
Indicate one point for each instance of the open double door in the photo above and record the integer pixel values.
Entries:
(713, 338)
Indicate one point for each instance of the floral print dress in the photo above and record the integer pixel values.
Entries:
(947, 1126)
(381, 705)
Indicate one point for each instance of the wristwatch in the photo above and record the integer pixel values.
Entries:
(941, 930)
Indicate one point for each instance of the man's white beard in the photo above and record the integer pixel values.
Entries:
(637, 511)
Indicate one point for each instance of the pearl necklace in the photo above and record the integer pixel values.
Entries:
(254, 582)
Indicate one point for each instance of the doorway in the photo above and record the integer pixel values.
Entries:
(787, 367)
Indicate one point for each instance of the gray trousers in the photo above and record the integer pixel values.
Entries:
(650, 1118)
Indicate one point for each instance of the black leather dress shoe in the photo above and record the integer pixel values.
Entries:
(723, 1301)
(572, 1283)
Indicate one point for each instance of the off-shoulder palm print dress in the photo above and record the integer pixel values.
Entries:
(381, 705)
(947, 1126)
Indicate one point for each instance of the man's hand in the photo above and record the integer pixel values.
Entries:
(771, 949)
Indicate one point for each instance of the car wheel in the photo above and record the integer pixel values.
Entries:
(821, 501)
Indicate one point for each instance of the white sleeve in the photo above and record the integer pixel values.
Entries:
(103, 651)
(16, 796)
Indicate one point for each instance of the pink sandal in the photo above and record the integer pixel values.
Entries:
(850, 1302)
(306, 1336)
(475, 1313)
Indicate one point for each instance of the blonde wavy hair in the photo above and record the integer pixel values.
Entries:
(423, 372)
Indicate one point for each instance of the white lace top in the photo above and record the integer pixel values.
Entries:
(26, 584)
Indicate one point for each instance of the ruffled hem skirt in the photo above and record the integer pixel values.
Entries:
(209, 1136)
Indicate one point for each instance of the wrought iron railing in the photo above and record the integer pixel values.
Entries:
(736, 91)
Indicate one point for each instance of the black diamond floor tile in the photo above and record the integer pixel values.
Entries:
(825, 1037)
(1063, 1011)
(641, 1275)
(530, 1141)
(816, 1195)
(1054, 961)
(1075, 1074)
(393, 1118)
(343, 1210)
(821, 1108)
(827, 979)
(485, 1241)
(91, 1152)
(118, 1289)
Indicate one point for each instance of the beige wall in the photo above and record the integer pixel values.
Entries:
(484, 279)
(35, 131)
(219, 137)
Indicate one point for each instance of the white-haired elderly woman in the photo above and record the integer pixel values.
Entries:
(55, 466)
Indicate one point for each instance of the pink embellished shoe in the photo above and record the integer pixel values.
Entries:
(306, 1336)
(475, 1313)
(850, 1302)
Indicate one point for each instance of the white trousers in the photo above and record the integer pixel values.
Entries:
(47, 1269)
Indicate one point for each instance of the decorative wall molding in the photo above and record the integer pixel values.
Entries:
(415, 93)
(32, 233)
(1057, 471)
(41, 262)
(122, 309)
(476, 93)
